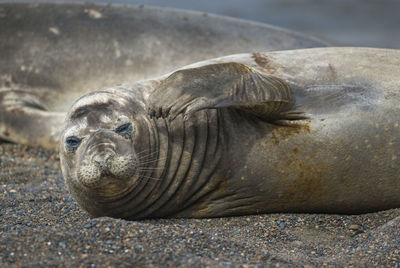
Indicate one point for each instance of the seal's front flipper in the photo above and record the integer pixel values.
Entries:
(24, 120)
(222, 85)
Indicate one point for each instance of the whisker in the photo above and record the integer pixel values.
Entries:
(149, 178)
(146, 151)
(151, 161)
(147, 156)
(141, 163)
(146, 169)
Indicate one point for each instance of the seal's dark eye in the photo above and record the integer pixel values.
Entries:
(124, 129)
(72, 142)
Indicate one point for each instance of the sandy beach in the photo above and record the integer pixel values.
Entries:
(42, 226)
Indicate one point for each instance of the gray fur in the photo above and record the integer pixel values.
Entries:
(313, 130)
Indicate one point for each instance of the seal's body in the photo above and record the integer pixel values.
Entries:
(313, 130)
(51, 54)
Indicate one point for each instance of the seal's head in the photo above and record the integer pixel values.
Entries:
(100, 146)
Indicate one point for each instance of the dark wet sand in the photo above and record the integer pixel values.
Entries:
(42, 226)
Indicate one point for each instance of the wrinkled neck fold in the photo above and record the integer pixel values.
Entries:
(177, 170)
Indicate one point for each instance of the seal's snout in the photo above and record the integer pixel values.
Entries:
(108, 161)
(104, 160)
(105, 169)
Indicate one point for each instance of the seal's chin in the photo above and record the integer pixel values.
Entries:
(108, 174)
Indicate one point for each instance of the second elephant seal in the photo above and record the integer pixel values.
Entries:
(72, 49)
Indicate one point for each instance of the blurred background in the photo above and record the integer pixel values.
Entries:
(374, 23)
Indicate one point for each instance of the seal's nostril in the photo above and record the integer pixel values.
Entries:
(103, 160)
(98, 160)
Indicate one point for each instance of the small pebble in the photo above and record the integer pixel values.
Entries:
(89, 224)
(354, 227)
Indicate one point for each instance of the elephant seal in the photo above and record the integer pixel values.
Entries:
(313, 130)
(51, 54)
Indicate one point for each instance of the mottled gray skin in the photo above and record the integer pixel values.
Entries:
(51, 54)
(315, 130)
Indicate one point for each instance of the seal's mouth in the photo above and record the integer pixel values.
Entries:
(107, 172)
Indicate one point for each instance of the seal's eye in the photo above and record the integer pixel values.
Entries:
(124, 129)
(72, 142)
